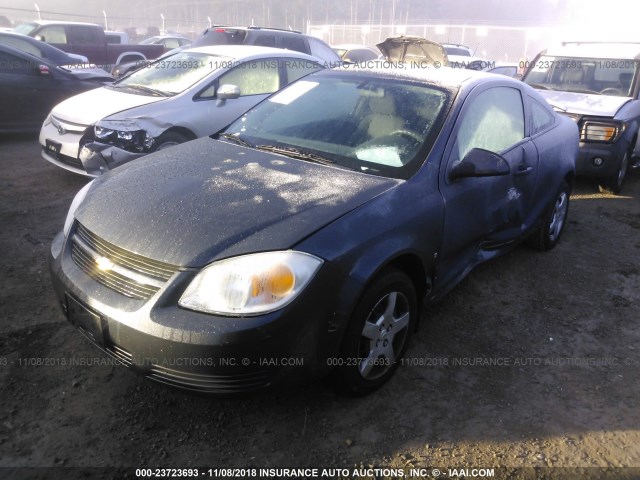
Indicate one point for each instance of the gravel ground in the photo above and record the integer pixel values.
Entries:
(532, 361)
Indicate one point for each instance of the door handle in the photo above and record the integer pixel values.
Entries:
(523, 170)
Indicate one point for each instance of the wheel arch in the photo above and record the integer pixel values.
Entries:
(131, 56)
(411, 265)
(181, 130)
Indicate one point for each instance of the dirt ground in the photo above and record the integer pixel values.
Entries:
(532, 361)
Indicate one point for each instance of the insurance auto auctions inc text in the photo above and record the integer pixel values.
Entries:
(355, 473)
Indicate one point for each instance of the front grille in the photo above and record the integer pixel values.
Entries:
(127, 273)
(221, 384)
(66, 159)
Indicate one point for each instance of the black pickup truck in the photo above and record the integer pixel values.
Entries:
(88, 39)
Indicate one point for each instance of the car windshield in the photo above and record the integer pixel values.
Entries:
(373, 124)
(25, 28)
(174, 74)
(583, 75)
(149, 41)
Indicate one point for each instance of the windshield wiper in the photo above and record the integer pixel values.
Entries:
(150, 90)
(558, 107)
(234, 137)
(295, 153)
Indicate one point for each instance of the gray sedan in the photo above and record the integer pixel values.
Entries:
(177, 98)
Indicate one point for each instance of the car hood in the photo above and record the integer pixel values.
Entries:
(584, 103)
(89, 107)
(206, 200)
(402, 49)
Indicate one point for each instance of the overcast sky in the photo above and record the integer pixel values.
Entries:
(613, 17)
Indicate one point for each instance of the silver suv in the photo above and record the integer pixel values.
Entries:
(597, 85)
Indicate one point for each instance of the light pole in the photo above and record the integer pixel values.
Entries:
(162, 17)
(38, 10)
(105, 20)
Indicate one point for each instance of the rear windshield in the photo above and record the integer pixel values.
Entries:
(221, 36)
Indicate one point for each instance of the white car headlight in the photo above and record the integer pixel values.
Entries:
(77, 201)
(251, 284)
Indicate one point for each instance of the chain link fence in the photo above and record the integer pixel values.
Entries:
(496, 43)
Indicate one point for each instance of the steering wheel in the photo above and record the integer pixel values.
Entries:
(611, 91)
(407, 134)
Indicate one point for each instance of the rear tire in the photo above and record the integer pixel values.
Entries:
(547, 235)
(377, 335)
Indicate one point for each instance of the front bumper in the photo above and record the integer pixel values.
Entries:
(197, 351)
(611, 155)
(98, 158)
(61, 149)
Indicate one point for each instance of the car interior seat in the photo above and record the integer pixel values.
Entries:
(383, 119)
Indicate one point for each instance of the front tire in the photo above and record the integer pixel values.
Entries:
(547, 235)
(614, 184)
(377, 335)
(169, 139)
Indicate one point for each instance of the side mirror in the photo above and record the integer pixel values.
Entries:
(39, 38)
(226, 92)
(480, 163)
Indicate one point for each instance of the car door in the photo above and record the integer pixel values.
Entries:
(256, 79)
(484, 213)
(28, 91)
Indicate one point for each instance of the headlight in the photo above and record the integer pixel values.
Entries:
(77, 201)
(131, 140)
(251, 284)
(600, 131)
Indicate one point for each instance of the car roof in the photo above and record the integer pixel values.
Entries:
(622, 51)
(246, 51)
(445, 76)
(351, 46)
(58, 22)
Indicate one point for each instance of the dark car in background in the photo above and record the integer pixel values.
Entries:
(89, 40)
(352, 53)
(598, 86)
(31, 86)
(41, 49)
(169, 42)
(303, 239)
(269, 37)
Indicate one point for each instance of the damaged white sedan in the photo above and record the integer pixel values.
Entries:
(190, 94)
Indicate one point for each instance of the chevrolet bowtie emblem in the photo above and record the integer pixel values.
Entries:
(104, 264)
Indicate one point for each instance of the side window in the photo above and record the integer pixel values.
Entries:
(297, 44)
(171, 43)
(265, 41)
(494, 121)
(541, 118)
(12, 65)
(297, 68)
(254, 78)
(53, 34)
(82, 36)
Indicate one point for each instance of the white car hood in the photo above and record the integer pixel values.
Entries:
(585, 103)
(89, 107)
